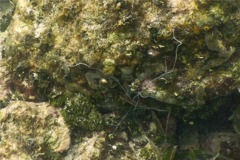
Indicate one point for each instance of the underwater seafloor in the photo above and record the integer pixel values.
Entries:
(119, 80)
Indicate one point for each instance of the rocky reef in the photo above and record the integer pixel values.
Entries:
(178, 52)
(121, 65)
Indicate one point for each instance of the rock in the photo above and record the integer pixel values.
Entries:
(6, 10)
(197, 41)
(2, 38)
(32, 131)
(215, 43)
(189, 137)
(224, 143)
(161, 55)
(236, 119)
(80, 113)
(89, 149)
(3, 89)
(94, 79)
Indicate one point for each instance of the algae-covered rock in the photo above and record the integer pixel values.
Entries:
(89, 149)
(187, 49)
(225, 143)
(6, 10)
(182, 52)
(80, 112)
(102, 61)
(32, 131)
(104, 145)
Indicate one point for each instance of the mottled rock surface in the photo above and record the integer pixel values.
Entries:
(32, 131)
(90, 148)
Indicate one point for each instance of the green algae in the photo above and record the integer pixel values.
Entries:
(81, 113)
